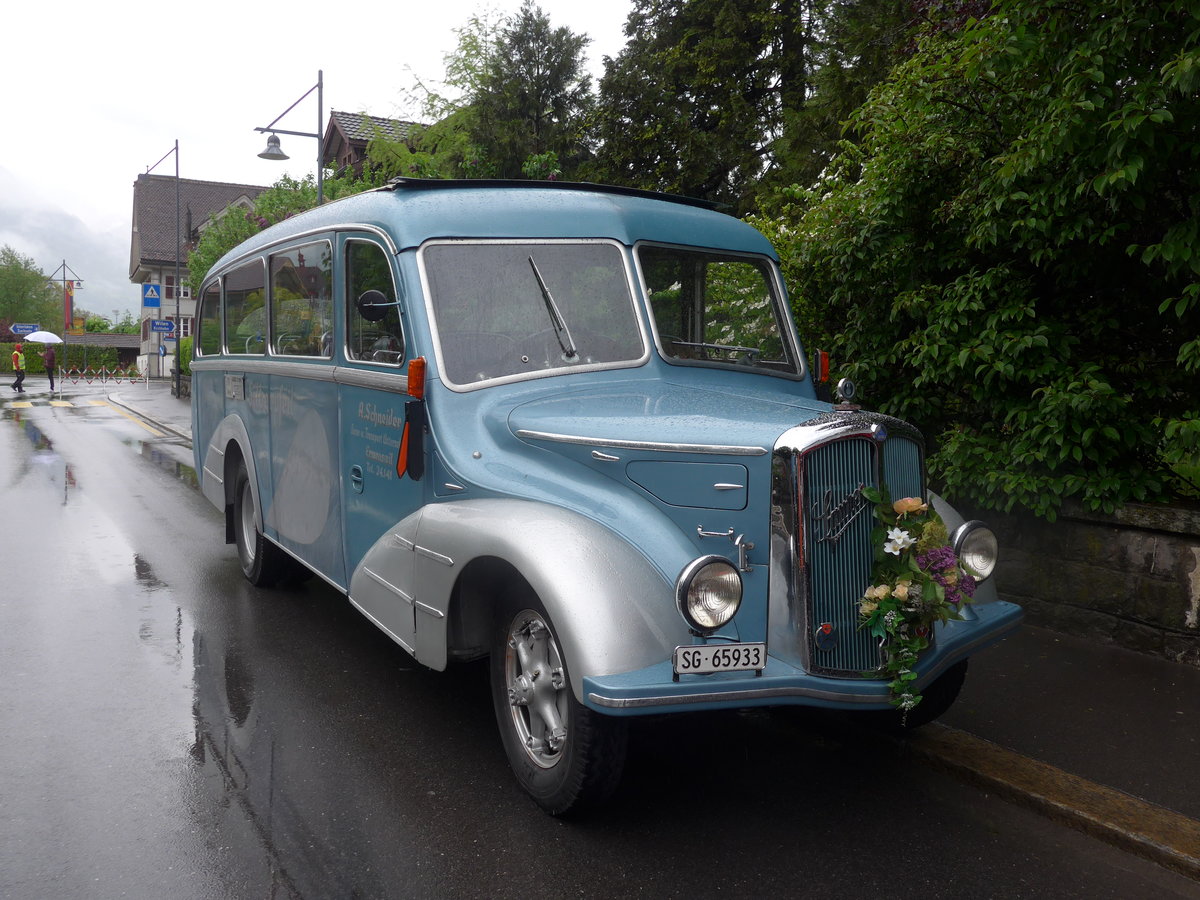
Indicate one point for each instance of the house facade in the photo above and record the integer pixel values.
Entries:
(153, 254)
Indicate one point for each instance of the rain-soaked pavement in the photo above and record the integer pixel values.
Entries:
(166, 730)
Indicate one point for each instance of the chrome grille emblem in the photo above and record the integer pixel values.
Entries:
(830, 520)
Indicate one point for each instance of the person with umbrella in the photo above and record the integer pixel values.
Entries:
(48, 355)
(19, 368)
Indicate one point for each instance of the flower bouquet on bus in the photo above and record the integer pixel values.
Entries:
(916, 581)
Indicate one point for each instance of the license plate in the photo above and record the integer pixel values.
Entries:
(699, 659)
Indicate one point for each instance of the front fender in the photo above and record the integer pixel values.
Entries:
(985, 592)
(612, 609)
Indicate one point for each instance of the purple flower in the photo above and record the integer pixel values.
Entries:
(937, 560)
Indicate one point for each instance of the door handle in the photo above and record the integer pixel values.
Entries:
(356, 479)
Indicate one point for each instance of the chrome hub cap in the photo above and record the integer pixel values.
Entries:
(537, 689)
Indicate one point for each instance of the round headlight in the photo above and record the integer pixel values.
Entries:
(709, 592)
(977, 549)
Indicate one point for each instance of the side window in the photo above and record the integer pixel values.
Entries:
(245, 310)
(373, 330)
(209, 341)
(301, 301)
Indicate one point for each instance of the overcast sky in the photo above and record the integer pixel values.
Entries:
(99, 92)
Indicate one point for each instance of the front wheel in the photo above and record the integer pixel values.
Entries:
(566, 756)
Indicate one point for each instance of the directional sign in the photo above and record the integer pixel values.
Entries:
(152, 295)
(22, 328)
(163, 326)
(162, 351)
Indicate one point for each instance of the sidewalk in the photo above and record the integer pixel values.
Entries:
(1100, 724)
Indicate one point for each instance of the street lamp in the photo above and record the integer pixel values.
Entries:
(178, 287)
(273, 150)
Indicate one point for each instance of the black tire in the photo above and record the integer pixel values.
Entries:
(567, 757)
(935, 700)
(263, 563)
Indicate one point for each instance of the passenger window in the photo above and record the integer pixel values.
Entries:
(208, 343)
(373, 333)
(245, 310)
(301, 301)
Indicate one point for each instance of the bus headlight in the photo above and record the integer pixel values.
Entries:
(977, 550)
(709, 592)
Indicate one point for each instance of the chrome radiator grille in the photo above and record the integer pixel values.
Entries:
(836, 528)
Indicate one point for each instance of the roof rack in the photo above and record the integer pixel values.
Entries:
(405, 183)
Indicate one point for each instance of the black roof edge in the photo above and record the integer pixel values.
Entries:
(406, 183)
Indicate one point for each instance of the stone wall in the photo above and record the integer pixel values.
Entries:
(1131, 578)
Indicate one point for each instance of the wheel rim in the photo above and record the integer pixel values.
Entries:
(537, 689)
(249, 529)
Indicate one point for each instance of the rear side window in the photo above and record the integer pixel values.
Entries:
(301, 301)
(245, 309)
(209, 341)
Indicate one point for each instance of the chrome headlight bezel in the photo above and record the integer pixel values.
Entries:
(977, 549)
(708, 593)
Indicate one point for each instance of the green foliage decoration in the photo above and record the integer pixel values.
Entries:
(1010, 256)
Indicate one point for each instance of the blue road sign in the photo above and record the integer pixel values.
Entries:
(23, 328)
(162, 351)
(152, 295)
(163, 326)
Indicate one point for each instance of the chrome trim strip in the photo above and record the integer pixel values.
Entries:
(209, 473)
(429, 610)
(379, 579)
(434, 555)
(729, 487)
(403, 542)
(393, 381)
(718, 449)
(374, 621)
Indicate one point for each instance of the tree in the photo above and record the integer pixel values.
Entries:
(728, 99)
(285, 198)
(1010, 257)
(533, 97)
(26, 294)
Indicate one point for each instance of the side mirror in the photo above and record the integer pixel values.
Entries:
(373, 305)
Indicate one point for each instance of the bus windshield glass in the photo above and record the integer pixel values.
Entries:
(717, 309)
(506, 309)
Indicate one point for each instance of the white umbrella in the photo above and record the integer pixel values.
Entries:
(43, 337)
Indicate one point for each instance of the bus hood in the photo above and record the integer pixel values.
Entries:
(664, 416)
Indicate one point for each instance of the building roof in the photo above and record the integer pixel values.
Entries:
(362, 127)
(103, 339)
(153, 237)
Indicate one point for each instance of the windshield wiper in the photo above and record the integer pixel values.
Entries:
(557, 322)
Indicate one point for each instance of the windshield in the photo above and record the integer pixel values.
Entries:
(710, 308)
(528, 308)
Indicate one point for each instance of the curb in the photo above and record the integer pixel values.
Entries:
(1137, 826)
(133, 410)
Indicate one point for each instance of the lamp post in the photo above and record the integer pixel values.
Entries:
(68, 293)
(273, 150)
(178, 286)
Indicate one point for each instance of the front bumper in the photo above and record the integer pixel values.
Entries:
(652, 690)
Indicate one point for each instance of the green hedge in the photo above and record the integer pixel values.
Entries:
(70, 356)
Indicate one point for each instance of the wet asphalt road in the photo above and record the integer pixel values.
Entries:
(166, 730)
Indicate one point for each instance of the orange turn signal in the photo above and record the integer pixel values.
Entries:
(416, 377)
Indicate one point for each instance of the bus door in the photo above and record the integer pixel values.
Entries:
(304, 512)
(373, 385)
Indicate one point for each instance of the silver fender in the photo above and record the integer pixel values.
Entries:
(986, 592)
(213, 476)
(612, 610)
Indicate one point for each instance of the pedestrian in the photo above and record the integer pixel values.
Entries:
(19, 368)
(49, 359)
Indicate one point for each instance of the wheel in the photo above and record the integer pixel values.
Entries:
(263, 563)
(567, 757)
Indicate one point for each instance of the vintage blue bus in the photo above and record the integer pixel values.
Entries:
(571, 428)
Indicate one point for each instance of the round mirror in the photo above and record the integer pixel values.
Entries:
(373, 305)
